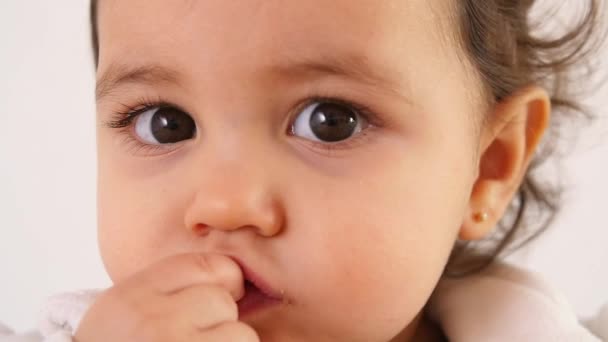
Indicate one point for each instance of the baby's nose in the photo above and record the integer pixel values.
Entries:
(231, 201)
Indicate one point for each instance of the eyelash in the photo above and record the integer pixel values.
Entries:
(123, 121)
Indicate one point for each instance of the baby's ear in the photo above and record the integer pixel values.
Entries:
(508, 141)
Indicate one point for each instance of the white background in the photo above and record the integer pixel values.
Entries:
(47, 173)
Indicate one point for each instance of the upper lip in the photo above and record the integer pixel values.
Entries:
(259, 282)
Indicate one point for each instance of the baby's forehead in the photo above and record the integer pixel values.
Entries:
(246, 21)
(254, 32)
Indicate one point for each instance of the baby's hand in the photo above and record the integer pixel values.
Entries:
(188, 297)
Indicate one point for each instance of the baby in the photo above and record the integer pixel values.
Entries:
(228, 210)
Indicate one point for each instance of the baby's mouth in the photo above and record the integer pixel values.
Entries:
(254, 300)
(258, 295)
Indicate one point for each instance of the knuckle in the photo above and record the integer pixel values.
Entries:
(204, 262)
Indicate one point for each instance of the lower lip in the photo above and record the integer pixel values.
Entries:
(254, 301)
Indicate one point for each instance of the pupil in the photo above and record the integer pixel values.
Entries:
(170, 125)
(331, 122)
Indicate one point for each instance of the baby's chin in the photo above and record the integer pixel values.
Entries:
(287, 323)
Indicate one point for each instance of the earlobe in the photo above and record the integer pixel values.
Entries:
(475, 225)
(508, 143)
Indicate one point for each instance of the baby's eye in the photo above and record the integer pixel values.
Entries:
(164, 125)
(328, 122)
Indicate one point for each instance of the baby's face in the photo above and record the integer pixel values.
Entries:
(329, 145)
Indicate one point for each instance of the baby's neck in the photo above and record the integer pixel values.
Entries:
(428, 331)
(421, 330)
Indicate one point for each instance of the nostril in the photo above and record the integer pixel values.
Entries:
(200, 229)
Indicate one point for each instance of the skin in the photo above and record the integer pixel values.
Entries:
(355, 236)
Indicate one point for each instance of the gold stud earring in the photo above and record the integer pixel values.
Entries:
(481, 217)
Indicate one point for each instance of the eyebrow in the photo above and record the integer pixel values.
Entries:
(352, 67)
(120, 74)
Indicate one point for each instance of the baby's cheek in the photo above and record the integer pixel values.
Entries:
(133, 225)
(382, 270)
(386, 252)
(122, 245)
(400, 279)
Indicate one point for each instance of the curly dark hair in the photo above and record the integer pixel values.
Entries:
(498, 38)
